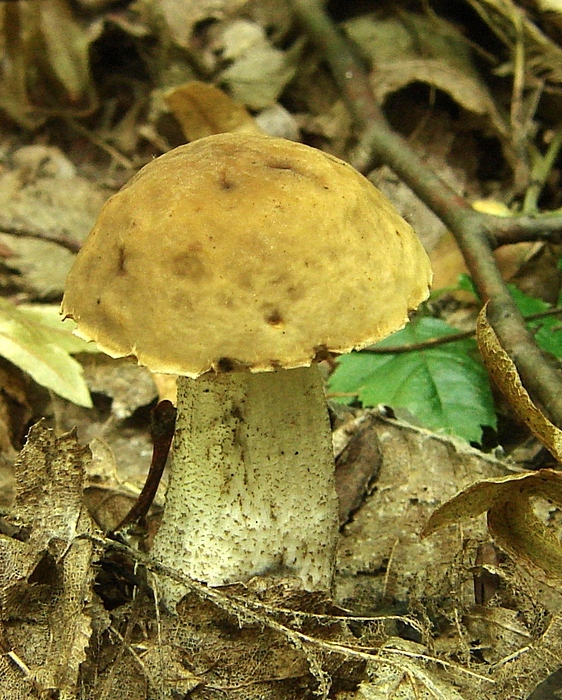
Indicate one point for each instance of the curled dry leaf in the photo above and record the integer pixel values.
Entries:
(508, 501)
(511, 519)
(203, 109)
(412, 48)
(46, 575)
(503, 371)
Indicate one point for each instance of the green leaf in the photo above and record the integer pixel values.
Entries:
(466, 284)
(547, 331)
(37, 349)
(446, 387)
(60, 332)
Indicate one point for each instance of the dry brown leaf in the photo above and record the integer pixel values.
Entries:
(45, 58)
(415, 48)
(46, 580)
(203, 109)
(508, 501)
(511, 519)
(503, 371)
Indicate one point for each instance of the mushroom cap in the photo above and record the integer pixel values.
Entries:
(244, 251)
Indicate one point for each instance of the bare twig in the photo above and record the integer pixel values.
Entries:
(473, 231)
(117, 156)
(265, 615)
(506, 230)
(24, 231)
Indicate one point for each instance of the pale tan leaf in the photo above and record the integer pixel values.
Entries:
(258, 72)
(511, 519)
(179, 17)
(502, 369)
(517, 530)
(472, 501)
(46, 581)
(203, 109)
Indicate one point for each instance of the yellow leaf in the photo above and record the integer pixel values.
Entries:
(203, 109)
(503, 371)
(511, 519)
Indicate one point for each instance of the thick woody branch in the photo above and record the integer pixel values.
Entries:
(477, 234)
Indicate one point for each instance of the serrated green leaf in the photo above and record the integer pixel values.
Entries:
(547, 331)
(446, 387)
(466, 284)
(35, 349)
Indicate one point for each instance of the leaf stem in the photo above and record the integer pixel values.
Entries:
(444, 339)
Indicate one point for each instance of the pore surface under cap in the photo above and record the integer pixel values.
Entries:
(244, 250)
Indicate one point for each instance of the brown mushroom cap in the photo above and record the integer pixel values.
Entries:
(242, 250)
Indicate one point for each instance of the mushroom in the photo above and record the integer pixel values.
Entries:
(236, 262)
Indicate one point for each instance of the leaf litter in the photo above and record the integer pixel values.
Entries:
(433, 638)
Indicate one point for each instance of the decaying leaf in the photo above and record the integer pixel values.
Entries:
(511, 519)
(44, 60)
(46, 575)
(258, 71)
(508, 501)
(410, 48)
(502, 369)
(43, 192)
(203, 109)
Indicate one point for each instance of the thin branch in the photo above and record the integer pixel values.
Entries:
(117, 156)
(517, 229)
(473, 231)
(24, 231)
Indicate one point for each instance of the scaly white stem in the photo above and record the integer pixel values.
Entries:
(252, 481)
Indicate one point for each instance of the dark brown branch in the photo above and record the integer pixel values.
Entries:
(473, 231)
(526, 228)
(22, 231)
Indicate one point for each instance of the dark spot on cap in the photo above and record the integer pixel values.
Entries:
(189, 264)
(321, 353)
(280, 165)
(121, 261)
(295, 292)
(225, 182)
(274, 319)
(229, 364)
(225, 364)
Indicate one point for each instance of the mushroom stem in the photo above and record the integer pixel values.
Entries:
(251, 486)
